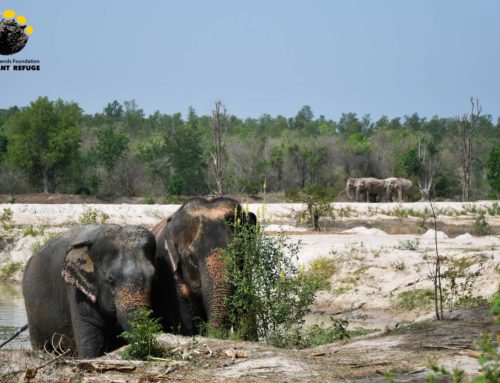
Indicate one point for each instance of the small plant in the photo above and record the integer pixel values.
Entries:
(292, 195)
(8, 270)
(32, 231)
(6, 219)
(399, 265)
(319, 271)
(408, 244)
(414, 299)
(459, 287)
(319, 334)
(92, 215)
(494, 209)
(480, 226)
(142, 336)
(268, 292)
(149, 200)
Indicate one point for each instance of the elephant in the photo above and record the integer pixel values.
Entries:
(81, 288)
(350, 187)
(400, 187)
(191, 284)
(372, 188)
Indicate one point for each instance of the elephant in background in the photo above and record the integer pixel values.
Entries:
(400, 187)
(350, 188)
(372, 188)
(191, 283)
(82, 286)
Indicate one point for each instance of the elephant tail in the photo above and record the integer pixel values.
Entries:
(24, 328)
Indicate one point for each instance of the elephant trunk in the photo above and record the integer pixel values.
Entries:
(218, 290)
(128, 300)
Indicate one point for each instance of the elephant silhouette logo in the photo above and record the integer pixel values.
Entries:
(13, 32)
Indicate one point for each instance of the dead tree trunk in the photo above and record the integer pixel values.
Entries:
(429, 157)
(467, 128)
(220, 126)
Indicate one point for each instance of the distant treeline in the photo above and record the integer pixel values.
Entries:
(54, 146)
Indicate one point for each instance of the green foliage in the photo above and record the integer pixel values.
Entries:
(8, 269)
(412, 164)
(317, 200)
(481, 226)
(493, 166)
(6, 218)
(45, 138)
(319, 334)
(268, 292)
(319, 271)
(92, 215)
(494, 209)
(459, 286)
(415, 299)
(142, 336)
(32, 231)
(292, 195)
(111, 146)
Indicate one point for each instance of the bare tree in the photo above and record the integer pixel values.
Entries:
(428, 153)
(220, 125)
(467, 128)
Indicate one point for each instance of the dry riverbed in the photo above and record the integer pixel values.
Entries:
(380, 255)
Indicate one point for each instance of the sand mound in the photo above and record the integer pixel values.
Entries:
(430, 234)
(361, 230)
(279, 228)
(464, 237)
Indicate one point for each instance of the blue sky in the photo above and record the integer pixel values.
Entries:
(384, 57)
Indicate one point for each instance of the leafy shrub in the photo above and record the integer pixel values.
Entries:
(8, 269)
(459, 287)
(480, 226)
(494, 209)
(149, 200)
(292, 195)
(92, 215)
(414, 299)
(32, 231)
(319, 334)
(399, 265)
(319, 271)
(142, 336)
(408, 244)
(268, 292)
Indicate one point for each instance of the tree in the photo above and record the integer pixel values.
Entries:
(110, 147)
(467, 129)
(220, 126)
(44, 138)
(493, 166)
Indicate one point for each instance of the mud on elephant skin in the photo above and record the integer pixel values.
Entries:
(82, 286)
(190, 285)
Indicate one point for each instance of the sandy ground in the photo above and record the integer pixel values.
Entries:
(378, 254)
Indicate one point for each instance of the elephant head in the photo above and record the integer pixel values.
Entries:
(400, 187)
(190, 262)
(370, 187)
(113, 267)
(350, 187)
(391, 186)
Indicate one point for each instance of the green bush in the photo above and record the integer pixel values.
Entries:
(414, 299)
(319, 271)
(292, 195)
(268, 292)
(8, 269)
(92, 215)
(480, 226)
(142, 336)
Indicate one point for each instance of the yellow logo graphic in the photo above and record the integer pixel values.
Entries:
(13, 32)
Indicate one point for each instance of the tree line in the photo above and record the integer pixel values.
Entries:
(54, 146)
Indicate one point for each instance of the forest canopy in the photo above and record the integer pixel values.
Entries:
(54, 146)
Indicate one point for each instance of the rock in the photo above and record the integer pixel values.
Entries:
(361, 230)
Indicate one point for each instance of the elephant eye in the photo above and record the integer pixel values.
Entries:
(111, 282)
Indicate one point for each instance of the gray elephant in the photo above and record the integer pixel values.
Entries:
(401, 188)
(82, 286)
(191, 286)
(371, 188)
(350, 188)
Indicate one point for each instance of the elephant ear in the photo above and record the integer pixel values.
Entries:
(78, 266)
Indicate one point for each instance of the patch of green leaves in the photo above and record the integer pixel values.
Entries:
(142, 336)
(92, 215)
(8, 269)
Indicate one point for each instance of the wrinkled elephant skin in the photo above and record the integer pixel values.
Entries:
(191, 286)
(81, 287)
